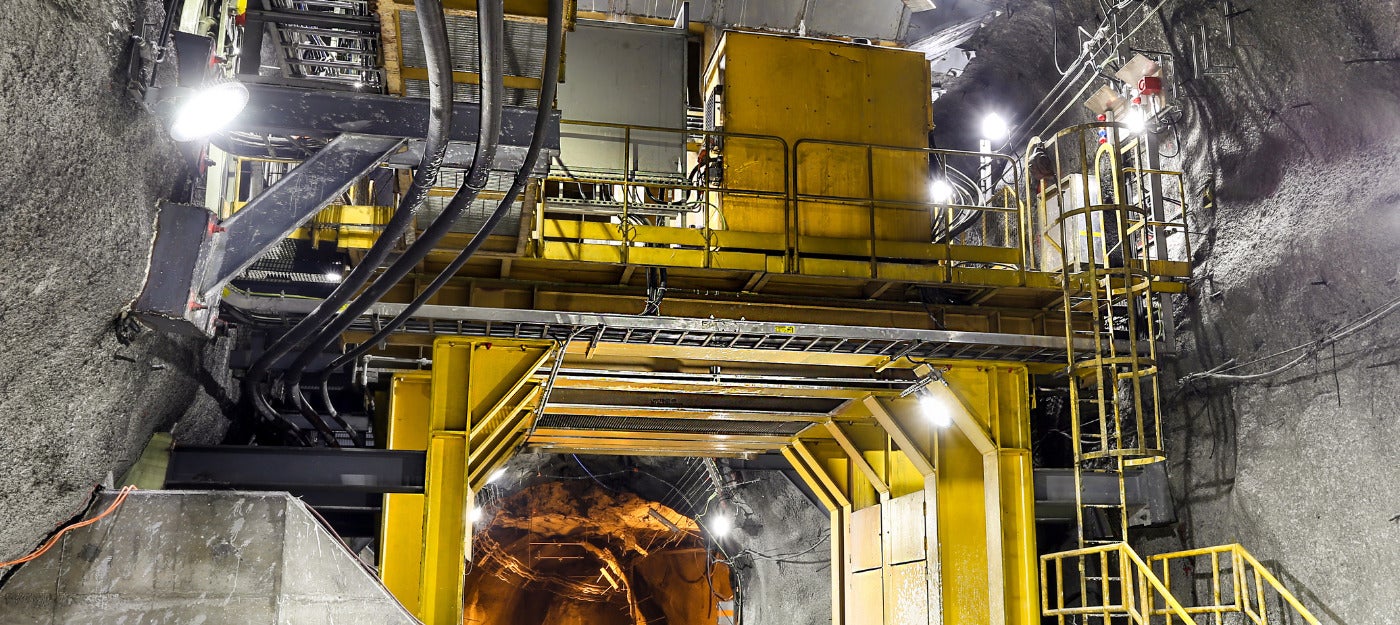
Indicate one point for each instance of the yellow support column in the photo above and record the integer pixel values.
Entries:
(838, 508)
(401, 534)
(479, 401)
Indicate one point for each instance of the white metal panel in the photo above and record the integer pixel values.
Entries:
(624, 74)
(904, 528)
(873, 19)
(906, 594)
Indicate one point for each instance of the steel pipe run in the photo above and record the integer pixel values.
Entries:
(432, 25)
(491, 38)
(549, 83)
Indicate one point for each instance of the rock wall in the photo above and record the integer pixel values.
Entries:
(81, 170)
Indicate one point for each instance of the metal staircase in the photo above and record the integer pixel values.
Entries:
(1120, 587)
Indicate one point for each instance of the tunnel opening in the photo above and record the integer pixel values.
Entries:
(577, 552)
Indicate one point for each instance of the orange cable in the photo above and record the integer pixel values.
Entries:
(121, 497)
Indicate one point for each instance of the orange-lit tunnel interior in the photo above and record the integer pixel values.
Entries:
(570, 553)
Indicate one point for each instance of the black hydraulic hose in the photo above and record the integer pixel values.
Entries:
(432, 25)
(491, 38)
(548, 86)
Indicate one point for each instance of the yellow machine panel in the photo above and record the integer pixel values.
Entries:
(828, 101)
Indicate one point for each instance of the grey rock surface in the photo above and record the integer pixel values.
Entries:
(81, 169)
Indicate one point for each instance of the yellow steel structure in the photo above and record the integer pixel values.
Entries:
(1123, 587)
(478, 397)
(929, 525)
(1237, 584)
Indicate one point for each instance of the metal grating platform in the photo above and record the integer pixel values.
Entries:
(687, 332)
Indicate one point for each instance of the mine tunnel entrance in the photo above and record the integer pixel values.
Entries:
(568, 551)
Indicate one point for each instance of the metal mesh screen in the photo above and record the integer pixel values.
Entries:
(476, 214)
(524, 54)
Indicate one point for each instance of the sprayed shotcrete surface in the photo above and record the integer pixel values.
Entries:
(81, 170)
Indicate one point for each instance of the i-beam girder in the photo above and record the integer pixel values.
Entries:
(393, 471)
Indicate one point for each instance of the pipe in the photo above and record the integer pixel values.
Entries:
(432, 25)
(548, 87)
(491, 38)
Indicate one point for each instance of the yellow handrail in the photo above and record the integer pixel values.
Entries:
(1135, 593)
(1244, 581)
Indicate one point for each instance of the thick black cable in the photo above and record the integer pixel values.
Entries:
(548, 87)
(491, 51)
(432, 26)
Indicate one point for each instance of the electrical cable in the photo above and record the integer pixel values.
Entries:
(491, 50)
(1083, 61)
(53, 540)
(433, 29)
(1309, 350)
(548, 89)
(590, 474)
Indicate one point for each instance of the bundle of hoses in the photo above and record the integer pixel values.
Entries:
(491, 40)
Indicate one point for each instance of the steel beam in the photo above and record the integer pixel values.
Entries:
(278, 211)
(382, 471)
(280, 110)
(746, 337)
(296, 469)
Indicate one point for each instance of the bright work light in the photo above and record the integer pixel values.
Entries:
(208, 110)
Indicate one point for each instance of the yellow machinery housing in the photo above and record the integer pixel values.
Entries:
(826, 101)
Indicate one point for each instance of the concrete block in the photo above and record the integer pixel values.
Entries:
(26, 609)
(341, 611)
(147, 610)
(114, 556)
(196, 558)
(228, 544)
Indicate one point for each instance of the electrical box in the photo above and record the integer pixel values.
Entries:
(849, 121)
(624, 74)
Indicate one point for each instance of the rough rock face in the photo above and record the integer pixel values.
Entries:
(1298, 133)
(81, 170)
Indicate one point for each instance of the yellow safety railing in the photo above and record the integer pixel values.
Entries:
(758, 202)
(897, 185)
(659, 215)
(1235, 583)
(1106, 582)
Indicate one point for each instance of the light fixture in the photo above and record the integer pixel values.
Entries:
(940, 190)
(208, 110)
(334, 276)
(475, 515)
(994, 128)
(935, 410)
(720, 526)
(1135, 121)
(496, 475)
